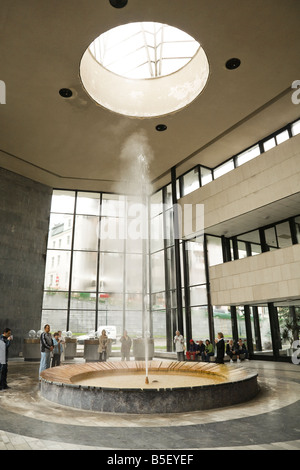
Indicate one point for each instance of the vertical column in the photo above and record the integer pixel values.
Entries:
(169, 323)
(188, 320)
(275, 331)
(71, 263)
(248, 329)
(209, 305)
(98, 264)
(177, 252)
(257, 329)
(235, 333)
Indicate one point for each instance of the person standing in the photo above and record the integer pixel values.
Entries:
(62, 342)
(46, 348)
(103, 346)
(125, 346)
(5, 339)
(179, 346)
(220, 344)
(57, 350)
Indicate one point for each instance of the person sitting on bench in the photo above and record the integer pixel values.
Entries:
(191, 353)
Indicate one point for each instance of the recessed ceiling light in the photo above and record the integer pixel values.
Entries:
(161, 127)
(233, 63)
(65, 92)
(118, 3)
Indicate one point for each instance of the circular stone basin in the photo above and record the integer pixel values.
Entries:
(174, 387)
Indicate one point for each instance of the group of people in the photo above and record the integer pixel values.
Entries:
(200, 350)
(236, 350)
(103, 348)
(51, 348)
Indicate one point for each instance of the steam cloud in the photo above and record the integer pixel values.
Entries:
(135, 154)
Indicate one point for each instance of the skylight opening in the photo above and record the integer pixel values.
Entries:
(144, 69)
(144, 50)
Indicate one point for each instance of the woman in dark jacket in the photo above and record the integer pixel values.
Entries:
(220, 348)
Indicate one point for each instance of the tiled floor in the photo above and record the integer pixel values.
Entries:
(270, 421)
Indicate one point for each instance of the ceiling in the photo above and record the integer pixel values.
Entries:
(76, 144)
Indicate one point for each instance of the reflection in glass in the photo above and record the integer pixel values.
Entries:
(255, 249)
(265, 329)
(156, 204)
(170, 256)
(86, 233)
(168, 197)
(169, 224)
(222, 320)
(158, 301)
(113, 205)
(297, 222)
(224, 168)
(110, 301)
(133, 301)
(60, 231)
(112, 234)
(241, 324)
(88, 203)
(250, 237)
(159, 330)
(55, 300)
(206, 175)
(111, 272)
(134, 273)
(191, 181)
(249, 154)
(82, 322)
(57, 319)
(271, 240)
(84, 272)
(269, 144)
(242, 250)
(196, 262)
(284, 235)
(157, 272)
(282, 137)
(156, 233)
(57, 272)
(199, 318)
(198, 295)
(296, 128)
(215, 251)
(134, 323)
(83, 300)
(63, 201)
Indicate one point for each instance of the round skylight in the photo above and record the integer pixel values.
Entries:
(144, 50)
(144, 69)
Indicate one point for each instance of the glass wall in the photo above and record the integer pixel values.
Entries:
(94, 273)
(197, 288)
(93, 269)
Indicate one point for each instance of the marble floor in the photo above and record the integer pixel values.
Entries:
(268, 422)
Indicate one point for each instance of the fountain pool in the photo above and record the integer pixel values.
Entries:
(174, 387)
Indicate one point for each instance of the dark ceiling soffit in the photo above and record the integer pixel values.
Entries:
(220, 136)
